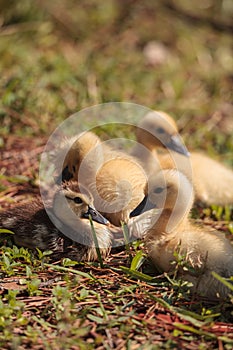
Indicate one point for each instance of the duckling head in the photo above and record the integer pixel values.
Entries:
(86, 142)
(73, 205)
(85, 149)
(170, 191)
(158, 129)
(169, 186)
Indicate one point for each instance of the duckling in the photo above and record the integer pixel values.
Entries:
(197, 168)
(217, 191)
(62, 227)
(156, 130)
(204, 250)
(159, 128)
(69, 157)
(115, 179)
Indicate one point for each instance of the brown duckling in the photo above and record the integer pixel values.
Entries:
(203, 250)
(61, 228)
(198, 168)
(115, 179)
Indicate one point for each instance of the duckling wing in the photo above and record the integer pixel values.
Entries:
(32, 227)
(19, 215)
(206, 252)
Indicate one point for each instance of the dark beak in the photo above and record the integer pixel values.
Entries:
(95, 215)
(175, 144)
(145, 205)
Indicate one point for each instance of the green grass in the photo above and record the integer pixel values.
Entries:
(56, 59)
(58, 306)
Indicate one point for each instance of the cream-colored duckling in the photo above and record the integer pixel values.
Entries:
(69, 232)
(156, 131)
(69, 157)
(198, 168)
(115, 179)
(204, 250)
(217, 191)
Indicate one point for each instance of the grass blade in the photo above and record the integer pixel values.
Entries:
(96, 242)
(136, 274)
(223, 280)
(137, 261)
(126, 237)
(4, 230)
(65, 269)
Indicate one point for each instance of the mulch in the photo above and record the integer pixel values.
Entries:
(19, 159)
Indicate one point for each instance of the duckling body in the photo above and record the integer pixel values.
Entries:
(217, 191)
(203, 250)
(198, 168)
(115, 179)
(33, 228)
(203, 253)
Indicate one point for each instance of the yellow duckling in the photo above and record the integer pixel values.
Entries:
(198, 168)
(70, 229)
(157, 130)
(217, 191)
(204, 250)
(73, 151)
(115, 179)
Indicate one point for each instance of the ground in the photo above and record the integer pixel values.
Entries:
(60, 57)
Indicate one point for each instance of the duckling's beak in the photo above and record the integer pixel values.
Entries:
(175, 144)
(145, 205)
(95, 215)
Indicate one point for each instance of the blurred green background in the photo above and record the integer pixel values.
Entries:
(60, 56)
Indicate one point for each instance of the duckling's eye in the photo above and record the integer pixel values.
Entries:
(158, 190)
(161, 130)
(78, 200)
